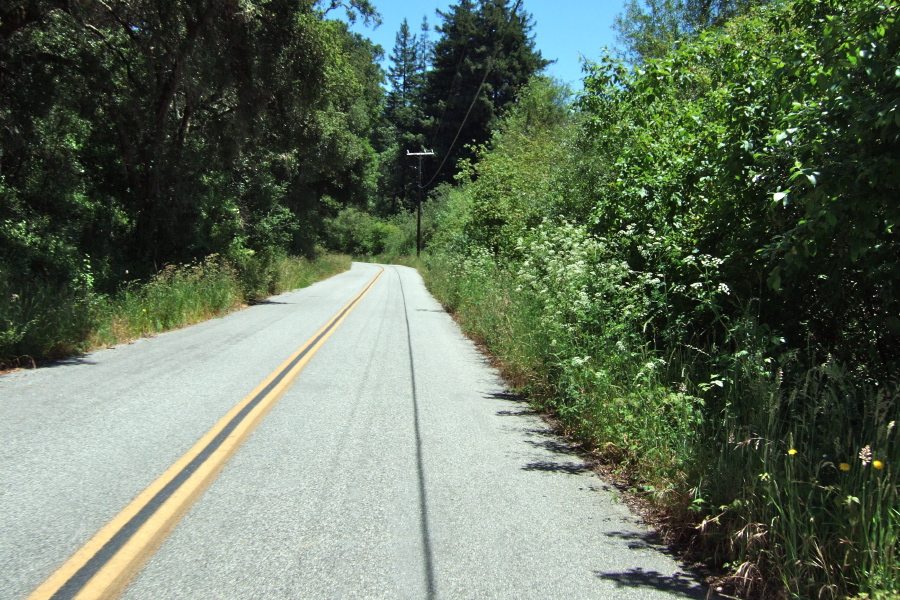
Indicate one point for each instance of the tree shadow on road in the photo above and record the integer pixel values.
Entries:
(640, 540)
(69, 362)
(509, 396)
(554, 446)
(569, 468)
(515, 413)
(551, 443)
(678, 585)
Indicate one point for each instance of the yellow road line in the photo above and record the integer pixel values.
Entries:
(105, 565)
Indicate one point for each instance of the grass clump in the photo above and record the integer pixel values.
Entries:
(175, 297)
(41, 322)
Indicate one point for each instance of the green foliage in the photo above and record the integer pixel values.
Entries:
(759, 173)
(40, 322)
(138, 134)
(365, 235)
(697, 273)
(650, 29)
(357, 232)
(516, 184)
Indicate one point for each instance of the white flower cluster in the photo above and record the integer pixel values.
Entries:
(708, 268)
(557, 269)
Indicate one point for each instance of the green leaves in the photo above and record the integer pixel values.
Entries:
(791, 128)
(153, 132)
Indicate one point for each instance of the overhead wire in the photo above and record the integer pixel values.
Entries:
(487, 71)
(463, 124)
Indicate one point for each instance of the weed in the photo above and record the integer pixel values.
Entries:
(43, 322)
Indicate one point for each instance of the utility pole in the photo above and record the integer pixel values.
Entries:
(421, 155)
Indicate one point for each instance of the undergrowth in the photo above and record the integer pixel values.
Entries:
(787, 479)
(40, 322)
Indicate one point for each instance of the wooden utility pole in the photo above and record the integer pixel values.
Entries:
(421, 155)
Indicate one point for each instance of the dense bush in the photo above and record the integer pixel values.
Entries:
(45, 322)
(697, 271)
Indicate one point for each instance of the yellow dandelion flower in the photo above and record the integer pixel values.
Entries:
(844, 467)
(792, 451)
(877, 464)
(143, 310)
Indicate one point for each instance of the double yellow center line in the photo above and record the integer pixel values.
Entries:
(105, 565)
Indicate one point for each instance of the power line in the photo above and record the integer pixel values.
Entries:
(490, 65)
(463, 124)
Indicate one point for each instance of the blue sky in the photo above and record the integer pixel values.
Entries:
(564, 29)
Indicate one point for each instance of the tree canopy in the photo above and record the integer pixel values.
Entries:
(485, 54)
(651, 28)
(133, 134)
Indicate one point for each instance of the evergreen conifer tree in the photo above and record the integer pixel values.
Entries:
(485, 54)
(406, 76)
(403, 116)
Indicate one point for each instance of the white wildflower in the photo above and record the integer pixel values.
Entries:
(865, 455)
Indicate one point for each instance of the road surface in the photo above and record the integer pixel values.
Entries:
(395, 466)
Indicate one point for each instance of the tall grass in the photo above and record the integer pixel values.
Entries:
(803, 481)
(39, 322)
(786, 476)
(175, 297)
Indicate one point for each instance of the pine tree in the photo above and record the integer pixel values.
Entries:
(484, 56)
(406, 77)
(426, 47)
(403, 116)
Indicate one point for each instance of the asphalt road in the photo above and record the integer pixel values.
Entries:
(396, 466)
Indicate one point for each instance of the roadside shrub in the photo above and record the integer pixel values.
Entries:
(357, 232)
(39, 321)
(698, 276)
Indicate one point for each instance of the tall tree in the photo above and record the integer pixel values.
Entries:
(426, 46)
(402, 130)
(651, 28)
(485, 54)
(406, 76)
